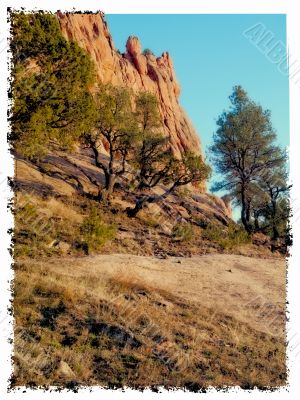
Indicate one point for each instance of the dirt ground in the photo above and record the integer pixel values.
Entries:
(250, 289)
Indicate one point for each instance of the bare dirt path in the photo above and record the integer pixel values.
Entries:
(250, 289)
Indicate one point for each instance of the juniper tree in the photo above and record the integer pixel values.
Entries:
(154, 160)
(115, 129)
(189, 169)
(153, 152)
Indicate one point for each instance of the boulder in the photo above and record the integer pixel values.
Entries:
(64, 371)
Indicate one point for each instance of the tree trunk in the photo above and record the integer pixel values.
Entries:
(110, 183)
(110, 180)
(132, 212)
(245, 213)
(275, 233)
(100, 166)
(248, 213)
(256, 223)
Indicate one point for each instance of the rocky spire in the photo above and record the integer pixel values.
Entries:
(135, 70)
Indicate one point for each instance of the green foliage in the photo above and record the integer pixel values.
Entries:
(95, 232)
(183, 231)
(154, 158)
(50, 85)
(114, 112)
(34, 232)
(147, 113)
(244, 149)
(271, 204)
(171, 171)
(190, 169)
(183, 193)
(153, 155)
(244, 141)
(226, 238)
(155, 161)
(116, 126)
(148, 52)
(35, 35)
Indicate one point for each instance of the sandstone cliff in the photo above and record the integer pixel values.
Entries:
(135, 70)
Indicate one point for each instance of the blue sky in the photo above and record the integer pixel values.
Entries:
(211, 55)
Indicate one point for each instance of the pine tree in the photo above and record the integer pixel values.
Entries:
(243, 149)
(51, 78)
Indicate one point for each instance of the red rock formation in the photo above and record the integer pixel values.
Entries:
(135, 70)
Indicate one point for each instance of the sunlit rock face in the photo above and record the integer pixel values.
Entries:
(134, 70)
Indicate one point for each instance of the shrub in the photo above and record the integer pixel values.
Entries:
(43, 227)
(183, 231)
(183, 192)
(95, 232)
(32, 233)
(228, 238)
(148, 52)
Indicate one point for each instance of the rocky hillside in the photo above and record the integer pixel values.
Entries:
(134, 70)
(54, 198)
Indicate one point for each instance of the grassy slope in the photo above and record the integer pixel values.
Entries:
(116, 329)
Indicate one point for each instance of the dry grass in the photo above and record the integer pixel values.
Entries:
(52, 207)
(120, 319)
(52, 226)
(119, 328)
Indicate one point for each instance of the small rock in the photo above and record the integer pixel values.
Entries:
(64, 247)
(167, 230)
(64, 370)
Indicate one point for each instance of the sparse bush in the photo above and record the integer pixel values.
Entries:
(95, 232)
(148, 52)
(228, 238)
(183, 192)
(183, 231)
(43, 227)
(32, 232)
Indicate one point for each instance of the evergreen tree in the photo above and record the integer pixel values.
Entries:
(115, 127)
(243, 149)
(154, 160)
(51, 77)
(180, 172)
(153, 153)
(271, 203)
